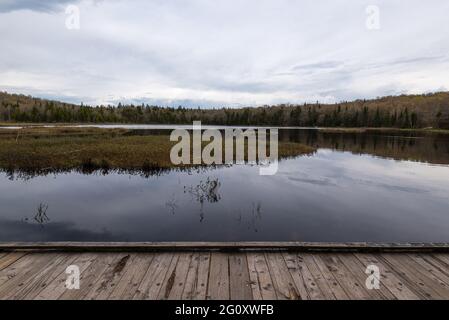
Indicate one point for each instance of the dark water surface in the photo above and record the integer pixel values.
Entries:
(357, 187)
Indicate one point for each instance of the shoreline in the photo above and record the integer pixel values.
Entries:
(38, 149)
(156, 126)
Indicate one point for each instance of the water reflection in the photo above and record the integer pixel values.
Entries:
(416, 146)
(41, 214)
(204, 191)
(171, 204)
(395, 144)
(40, 217)
(146, 172)
(256, 216)
(337, 194)
(19, 231)
(430, 148)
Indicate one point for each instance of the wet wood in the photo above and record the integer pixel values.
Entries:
(269, 274)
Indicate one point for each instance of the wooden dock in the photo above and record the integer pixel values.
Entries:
(225, 271)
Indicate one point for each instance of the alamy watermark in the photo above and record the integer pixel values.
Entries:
(373, 279)
(373, 17)
(73, 277)
(72, 21)
(190, 150)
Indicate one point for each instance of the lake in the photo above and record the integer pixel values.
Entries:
(374, 186)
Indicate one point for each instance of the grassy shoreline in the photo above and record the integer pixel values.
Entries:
(5, 125)
(62, 148)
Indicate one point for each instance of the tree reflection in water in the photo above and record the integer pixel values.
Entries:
(41, 214)
(171, 204)
(254, 217)
(204, 191)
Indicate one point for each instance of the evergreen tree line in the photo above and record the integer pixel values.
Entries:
(406, 111)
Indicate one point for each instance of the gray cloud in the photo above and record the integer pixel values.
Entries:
(223, 52)
(33, 5)
(319, 182)
(319, 65)
(52, 231)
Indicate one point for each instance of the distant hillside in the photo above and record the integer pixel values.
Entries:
(405, 111)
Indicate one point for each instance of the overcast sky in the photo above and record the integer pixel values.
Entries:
(223, 52)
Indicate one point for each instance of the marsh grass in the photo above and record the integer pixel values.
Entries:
(91, 149)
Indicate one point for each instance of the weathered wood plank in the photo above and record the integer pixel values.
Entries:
(239, 277)
(358, 271)
(54, 289)
(197, 277)
(151, 283)
(89, 276)
(431, 271)
(260, 279)
(434, 261)
(46, 275)
(25, 274)
(15, 267)
(127, 286)
(303, 278)
(315, 277)
(388, 278)
(269, 274)
(429, 288)
(218, 286)
(168, 280)
(444, 258)
(10, 258)
(176, 280)
(351, 286)
(329, 278)
(282, 280)
(60, 270)
(109, 279)
(334, 286)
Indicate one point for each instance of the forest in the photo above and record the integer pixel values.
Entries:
(405, 111)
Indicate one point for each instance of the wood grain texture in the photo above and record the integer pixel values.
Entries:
(194, 275)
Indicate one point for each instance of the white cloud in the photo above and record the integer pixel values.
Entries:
(223, 52)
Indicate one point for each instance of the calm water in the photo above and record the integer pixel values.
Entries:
(357, 187)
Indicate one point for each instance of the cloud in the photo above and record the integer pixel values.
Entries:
(33, 5)
(225, 52)
(52, 231)
(319, 65)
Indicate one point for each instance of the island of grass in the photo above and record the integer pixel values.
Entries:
(57, 149)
